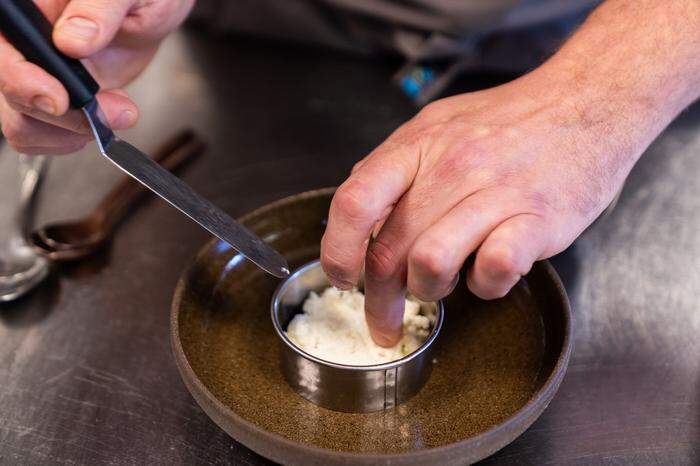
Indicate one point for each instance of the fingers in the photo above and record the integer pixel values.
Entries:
(30, 91)
(506, 255)
(34, 132)
(386, 264)
(506, 251)
(365, 198)
(438, 254)
(25, 84)
(29, 136)
(385, 293)
(358, 165)
(33, 101)
(153, 20)
(120, 111)
(87, 26)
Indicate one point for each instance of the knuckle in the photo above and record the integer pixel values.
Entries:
(9, 88)
(11, 82)
(432, 259)
(431, 111)
(358, 165)
(13, 128)
(159, 18)
(381, 261)
(334, 264)
(499, 262)
(351, 202)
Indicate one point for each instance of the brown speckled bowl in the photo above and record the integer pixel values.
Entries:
(498, 363)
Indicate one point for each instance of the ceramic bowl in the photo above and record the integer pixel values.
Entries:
(498, 363)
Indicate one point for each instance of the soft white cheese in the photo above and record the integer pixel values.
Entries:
(333, 328)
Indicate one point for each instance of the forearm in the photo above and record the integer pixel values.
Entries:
(629, 70)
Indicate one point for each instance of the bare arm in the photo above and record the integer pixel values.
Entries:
(517, 172)
(630, 69)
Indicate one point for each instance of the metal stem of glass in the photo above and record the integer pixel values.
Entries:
(21, 268)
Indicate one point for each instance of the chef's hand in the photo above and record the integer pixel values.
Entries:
(117, 39)
(515, 173)
(498, 173)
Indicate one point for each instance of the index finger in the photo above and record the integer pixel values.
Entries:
(26, 84)
(360, 202)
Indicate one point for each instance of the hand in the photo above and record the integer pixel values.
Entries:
(513, 174)
(116, 39)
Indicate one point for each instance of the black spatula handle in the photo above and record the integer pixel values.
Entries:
(28, 30)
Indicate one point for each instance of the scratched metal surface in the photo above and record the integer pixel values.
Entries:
(86, 374)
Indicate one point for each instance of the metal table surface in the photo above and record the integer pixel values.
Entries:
(86, 372)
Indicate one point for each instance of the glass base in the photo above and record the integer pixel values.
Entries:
(21, 269)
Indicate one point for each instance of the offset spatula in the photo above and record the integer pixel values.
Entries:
(25, 27)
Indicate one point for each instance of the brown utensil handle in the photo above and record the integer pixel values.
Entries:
(171, 155)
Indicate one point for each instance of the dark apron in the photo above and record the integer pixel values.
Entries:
(500, 35)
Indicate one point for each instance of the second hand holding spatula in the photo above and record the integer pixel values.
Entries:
(28, 30)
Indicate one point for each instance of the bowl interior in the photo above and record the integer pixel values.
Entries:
(494, 361)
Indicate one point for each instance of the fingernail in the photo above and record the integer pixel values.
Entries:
(44, 104)
(340, 284)
(79, 27)
(385, 340)
(124, 119)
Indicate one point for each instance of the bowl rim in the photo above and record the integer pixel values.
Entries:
(274, 305)
(537, 402)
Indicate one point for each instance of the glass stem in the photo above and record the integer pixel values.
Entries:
(31, 172)
(21, 267)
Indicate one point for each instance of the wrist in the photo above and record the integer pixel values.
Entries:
(630, 69)
(591, 118)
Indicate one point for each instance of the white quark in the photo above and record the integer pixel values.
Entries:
(333, 328)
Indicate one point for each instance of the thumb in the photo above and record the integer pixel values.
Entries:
(87, 26)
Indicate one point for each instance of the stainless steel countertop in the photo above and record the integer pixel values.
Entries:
(86, 373)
